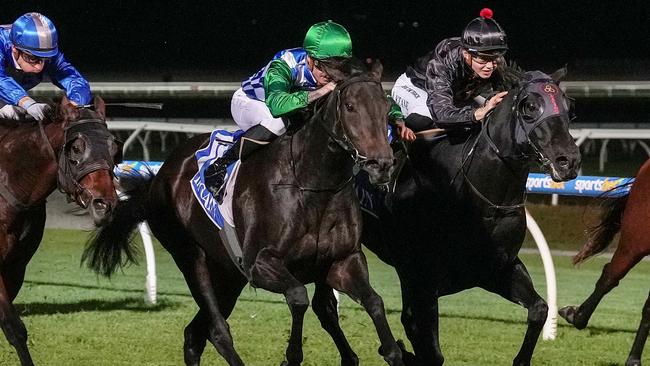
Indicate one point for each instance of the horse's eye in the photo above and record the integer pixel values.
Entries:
(531, 108)
(349, 107)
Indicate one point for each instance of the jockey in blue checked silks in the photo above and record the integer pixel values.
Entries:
(293, 79)
(28, 50)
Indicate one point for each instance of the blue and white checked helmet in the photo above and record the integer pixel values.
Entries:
(34, 33)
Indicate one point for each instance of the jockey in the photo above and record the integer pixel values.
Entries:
(28, 50)
(450, 83)
(293, 79)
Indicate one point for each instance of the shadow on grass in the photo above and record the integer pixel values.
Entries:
(104, 288)
(130, 304)
(137, 304)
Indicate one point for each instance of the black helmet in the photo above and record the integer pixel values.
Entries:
(483, 35)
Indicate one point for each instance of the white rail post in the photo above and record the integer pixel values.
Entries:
(150, 293)
(550, 327)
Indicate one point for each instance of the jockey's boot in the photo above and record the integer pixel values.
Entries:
(251, 140)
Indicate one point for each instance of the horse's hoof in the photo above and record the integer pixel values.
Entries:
(407, 357)
(633, 362)
(568, 313)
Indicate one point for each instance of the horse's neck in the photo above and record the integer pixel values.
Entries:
(319, 161)
(499, 175)
(38, 168)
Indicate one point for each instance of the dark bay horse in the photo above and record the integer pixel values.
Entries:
(630, 215)
(456, 219)
(296, 216)
(73, 149)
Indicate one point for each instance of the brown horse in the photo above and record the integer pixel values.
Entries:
(296, 216)
(72, 148)
(630, 215)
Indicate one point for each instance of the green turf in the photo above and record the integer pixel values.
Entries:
(76, 318)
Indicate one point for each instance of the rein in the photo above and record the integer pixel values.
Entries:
(342, 142)
(491, 205)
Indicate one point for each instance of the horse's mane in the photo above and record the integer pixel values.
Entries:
(512, 75)
(344, 68)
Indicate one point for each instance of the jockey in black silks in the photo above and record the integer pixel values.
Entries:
(458, 82)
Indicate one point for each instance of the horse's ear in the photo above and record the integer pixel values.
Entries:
(559, 75)
(376, 68)
(67, 110)
(100, 107)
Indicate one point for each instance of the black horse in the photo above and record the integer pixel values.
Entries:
(456, 219)
(296, 216)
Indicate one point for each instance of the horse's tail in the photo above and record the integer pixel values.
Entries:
(599, 236)
(110, 246)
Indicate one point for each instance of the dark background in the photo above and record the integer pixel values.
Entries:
(228, 40)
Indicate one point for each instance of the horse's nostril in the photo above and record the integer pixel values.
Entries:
(372, 163)
(563, 162)
(99, 205)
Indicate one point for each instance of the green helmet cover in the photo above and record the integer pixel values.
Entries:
(327, 39)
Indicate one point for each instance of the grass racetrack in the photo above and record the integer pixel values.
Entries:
(75, 318)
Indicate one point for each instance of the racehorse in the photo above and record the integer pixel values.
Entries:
(456, 218)
(629, 214)
(72, 149)
(296, 216)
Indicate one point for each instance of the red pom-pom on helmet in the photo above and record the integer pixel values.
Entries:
(486, 13)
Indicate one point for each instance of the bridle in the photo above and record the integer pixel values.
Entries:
(343, 142)
(67, 180)
(95, 134)
(522, 128)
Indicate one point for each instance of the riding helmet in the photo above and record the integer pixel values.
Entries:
(35, 34)
(327, 39)
(483, 35)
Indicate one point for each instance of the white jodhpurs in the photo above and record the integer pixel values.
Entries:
(249, 112)
(409, 97)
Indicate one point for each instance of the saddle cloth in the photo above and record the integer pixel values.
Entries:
(220, 142)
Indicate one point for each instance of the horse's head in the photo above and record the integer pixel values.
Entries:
(541, 115)
(362, 119)
(87, 158)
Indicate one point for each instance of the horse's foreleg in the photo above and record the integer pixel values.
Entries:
(324, 305)
(270, 273)
(420, 320)
(194, 266)
(515, 284)
(13, 327)
(350, 276)
(28, 242)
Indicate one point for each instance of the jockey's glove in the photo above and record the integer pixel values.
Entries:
(36, 110)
